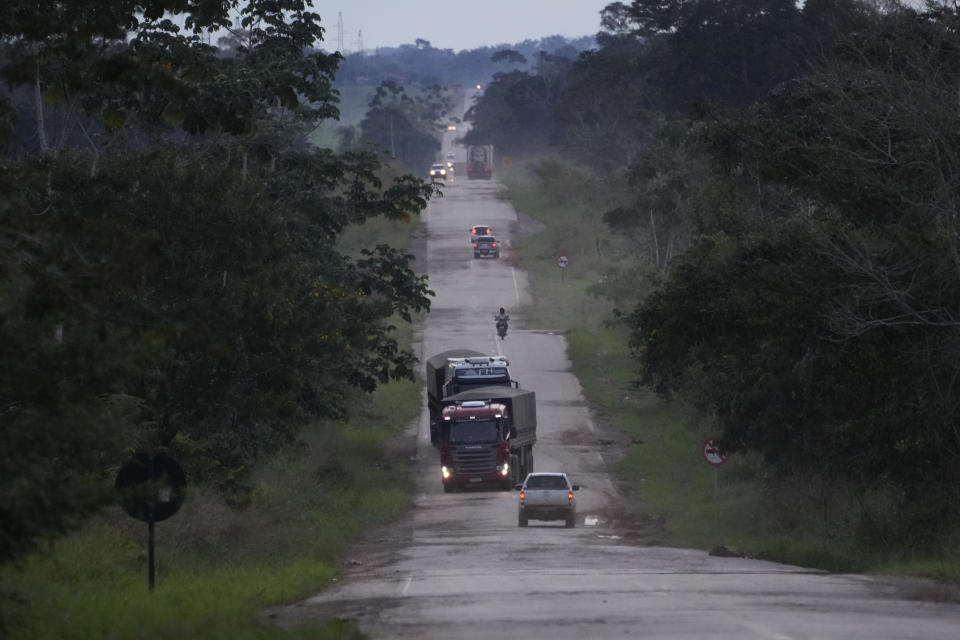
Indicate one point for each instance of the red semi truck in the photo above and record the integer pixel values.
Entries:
(484, 425)
(480, 161)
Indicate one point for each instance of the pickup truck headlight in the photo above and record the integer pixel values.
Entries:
(445, 473)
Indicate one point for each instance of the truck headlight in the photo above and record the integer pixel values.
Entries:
(445, 473)
(505, 469)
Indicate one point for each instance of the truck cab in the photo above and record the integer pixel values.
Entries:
(480, 161)
(475, 445)
(483, 423)
(470, 372)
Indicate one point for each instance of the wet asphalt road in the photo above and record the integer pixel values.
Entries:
(459, 567)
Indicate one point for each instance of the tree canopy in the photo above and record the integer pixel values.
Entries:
(793, 172)
(169, 274)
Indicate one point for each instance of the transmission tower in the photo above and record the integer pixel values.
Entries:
(340, 31)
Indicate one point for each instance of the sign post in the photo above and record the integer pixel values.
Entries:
(712, 454)
(715, 458)
(562, 262)
(152, 487)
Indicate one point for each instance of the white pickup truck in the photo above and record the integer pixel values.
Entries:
(547, 496)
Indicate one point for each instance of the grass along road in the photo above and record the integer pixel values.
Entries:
(218, 567)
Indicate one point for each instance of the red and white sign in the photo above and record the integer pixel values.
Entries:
(712, 454)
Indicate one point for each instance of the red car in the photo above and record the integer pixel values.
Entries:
(478, 230)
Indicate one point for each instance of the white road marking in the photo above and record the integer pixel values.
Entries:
(406, 585)
(516, 289)
(761, 630)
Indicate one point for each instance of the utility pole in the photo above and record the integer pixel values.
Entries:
(393, 148)
(340, 31)
(360, 40)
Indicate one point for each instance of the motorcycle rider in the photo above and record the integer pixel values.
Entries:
(501, 318)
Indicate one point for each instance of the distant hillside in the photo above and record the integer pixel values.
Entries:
(422, 64)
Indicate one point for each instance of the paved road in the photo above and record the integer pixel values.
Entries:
(460, 568)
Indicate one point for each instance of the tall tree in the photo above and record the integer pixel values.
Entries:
(168, 271)
(406, 126)
(718, 51)
(818, 319)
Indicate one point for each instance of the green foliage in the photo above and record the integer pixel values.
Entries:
(406, 127)
(820, 327)
(515, 113)
(809, 307)
(809, 518)
(79, 54)
(730, 52)
(421, 64)
(218, 567)
(510, 56)
(169, 273)
(568, 200)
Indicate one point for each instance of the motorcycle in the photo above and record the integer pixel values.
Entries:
(502, 329)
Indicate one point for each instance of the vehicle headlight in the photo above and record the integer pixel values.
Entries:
(445, 472)
(505, 469)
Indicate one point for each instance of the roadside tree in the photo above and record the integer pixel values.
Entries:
(168, 276)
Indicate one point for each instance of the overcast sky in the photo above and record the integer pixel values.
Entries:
(456, 24)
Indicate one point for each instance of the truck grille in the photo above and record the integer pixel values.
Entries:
(483, 460)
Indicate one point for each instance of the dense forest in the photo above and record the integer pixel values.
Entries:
(417, 86)
(788, 176)
(422, 64)
(169, 276)
(169, 279)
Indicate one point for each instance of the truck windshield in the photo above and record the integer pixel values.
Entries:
(474, 432)
(482, 376)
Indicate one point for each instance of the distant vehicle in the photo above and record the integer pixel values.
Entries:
(438, 172)
(451, 127)
(547, 496)
(478, 230)
(450, 156)
(480, 162)
(486, 246)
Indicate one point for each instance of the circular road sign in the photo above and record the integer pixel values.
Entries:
(562, 262)
(712, 454)
(152, 486)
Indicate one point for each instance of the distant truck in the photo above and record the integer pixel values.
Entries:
(480, 161)
(484, 425)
